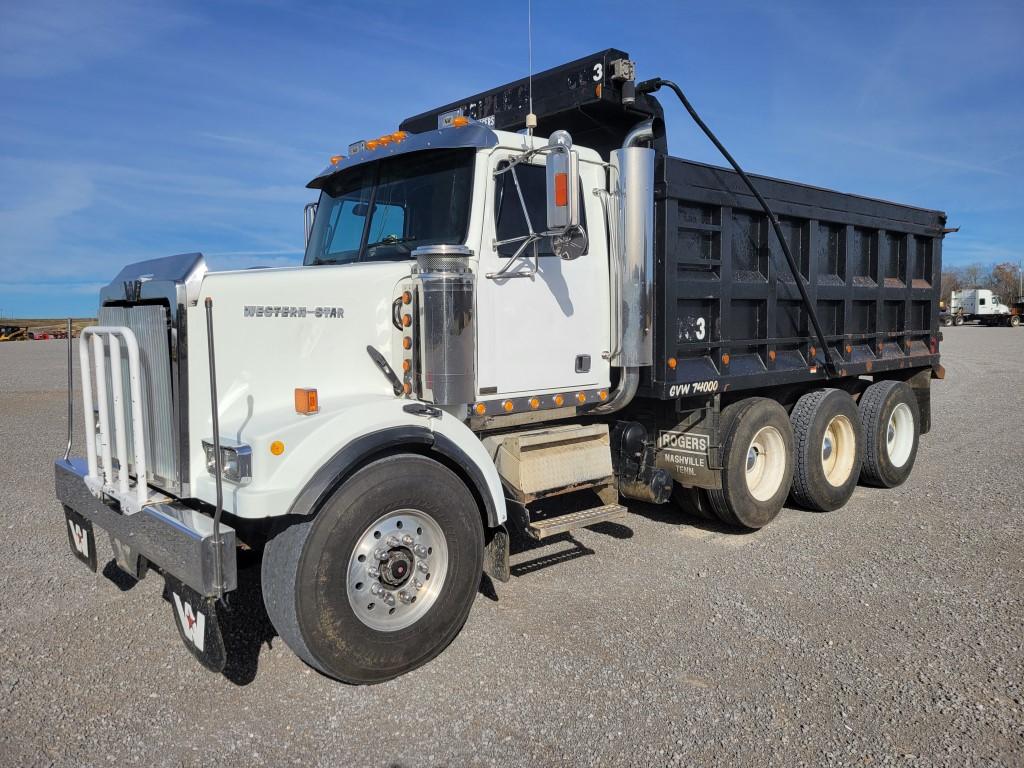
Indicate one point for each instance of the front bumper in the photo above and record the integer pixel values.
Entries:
(169, 535)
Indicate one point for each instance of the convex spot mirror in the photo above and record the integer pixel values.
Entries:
(563, 183)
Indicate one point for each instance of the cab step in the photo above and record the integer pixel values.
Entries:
(541, 529)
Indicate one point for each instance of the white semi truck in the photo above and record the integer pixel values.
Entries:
(979, 305)
(505, 318)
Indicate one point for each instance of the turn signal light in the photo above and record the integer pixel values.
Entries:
(534, 403)
(277, 447)
(559, 400)
(480, 409)
(581, 397)
(603, 394)
(561, 189)
(306, 401)
(508, 405)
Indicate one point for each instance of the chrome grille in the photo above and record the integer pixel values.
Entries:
(149, 323)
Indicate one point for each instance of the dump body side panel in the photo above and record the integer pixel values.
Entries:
(728, 314)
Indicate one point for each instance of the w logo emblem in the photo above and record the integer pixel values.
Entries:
(192, 623)
(79, 539)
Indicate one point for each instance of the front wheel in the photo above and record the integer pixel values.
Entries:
(959, 321)
(1014, 321)
(383, 578)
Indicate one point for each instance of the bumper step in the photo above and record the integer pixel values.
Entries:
(542, 529)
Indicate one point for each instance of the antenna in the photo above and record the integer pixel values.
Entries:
(531, 119)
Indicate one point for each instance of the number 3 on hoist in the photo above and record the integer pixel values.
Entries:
(598, 72)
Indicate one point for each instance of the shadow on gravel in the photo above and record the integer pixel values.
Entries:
(117, 577)
(245, 623)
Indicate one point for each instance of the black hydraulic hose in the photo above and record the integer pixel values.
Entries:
(649, 86)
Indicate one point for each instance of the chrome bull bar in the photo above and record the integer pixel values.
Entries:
(103, 478)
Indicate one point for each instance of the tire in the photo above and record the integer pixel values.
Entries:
(757, 459)
(693, 501)
(891, 421)
(828, 449)
(1014, 321)
(959, 321)
(321, 596)
(947, 321)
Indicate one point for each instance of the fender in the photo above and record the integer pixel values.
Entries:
(337, 469)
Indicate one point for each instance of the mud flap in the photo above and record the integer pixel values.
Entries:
(197, 622)
(496, 555)
(81, 538)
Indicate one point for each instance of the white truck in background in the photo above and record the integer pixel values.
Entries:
(979, 305)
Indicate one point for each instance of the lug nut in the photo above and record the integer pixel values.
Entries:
(373, 573)
(420, 550)
(419, 584)
(392, 541)
(381, 554)
(389, 599)
(422, 567)
(407, 540)
(404, 597)
(376, 589)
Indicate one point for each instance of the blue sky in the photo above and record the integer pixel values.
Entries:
(131, 130)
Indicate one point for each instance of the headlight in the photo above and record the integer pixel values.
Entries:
(235, 460)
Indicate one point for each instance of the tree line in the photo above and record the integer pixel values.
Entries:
(1002, 279)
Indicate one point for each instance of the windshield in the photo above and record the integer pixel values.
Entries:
(383, 210)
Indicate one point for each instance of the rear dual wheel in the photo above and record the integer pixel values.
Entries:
(828, 449)
(891, 421)
(757, 463)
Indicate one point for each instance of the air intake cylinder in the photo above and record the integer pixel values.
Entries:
(446, 336)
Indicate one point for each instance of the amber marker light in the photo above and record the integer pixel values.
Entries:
(460, 121)
(406, 366)
(407, 388)
(480, 409)
(337, 159)
(559, 400)
(277, 447)
(372, 144)
(771, 355)
(581, 397)
(508, 405)
(849, 349)
(406, 297)
(398, 136)
(306, 401)
(603, 394)
(406, 320)
(534, 403)
(814, 352)
(725, 359)
(672, 363)
(407, 343)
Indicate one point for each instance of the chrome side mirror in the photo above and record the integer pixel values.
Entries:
(309, 213)
(563, 183)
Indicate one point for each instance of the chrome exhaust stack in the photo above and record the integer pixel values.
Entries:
(631, 242)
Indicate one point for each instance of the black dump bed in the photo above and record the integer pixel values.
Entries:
(727, 309)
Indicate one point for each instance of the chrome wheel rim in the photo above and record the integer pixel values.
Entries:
(838, 449)
(397, 570)
(899, 435)
(766, 463)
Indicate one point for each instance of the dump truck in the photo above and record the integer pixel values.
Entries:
(516, 314)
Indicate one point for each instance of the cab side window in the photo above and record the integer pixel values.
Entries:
(509, 221)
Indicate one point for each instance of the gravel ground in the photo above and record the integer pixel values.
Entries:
(889, 632)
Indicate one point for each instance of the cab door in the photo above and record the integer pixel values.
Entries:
(548, 331)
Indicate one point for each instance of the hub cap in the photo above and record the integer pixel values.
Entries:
(397, 570)
(838, 450)
(899, 435)
(766, 463)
